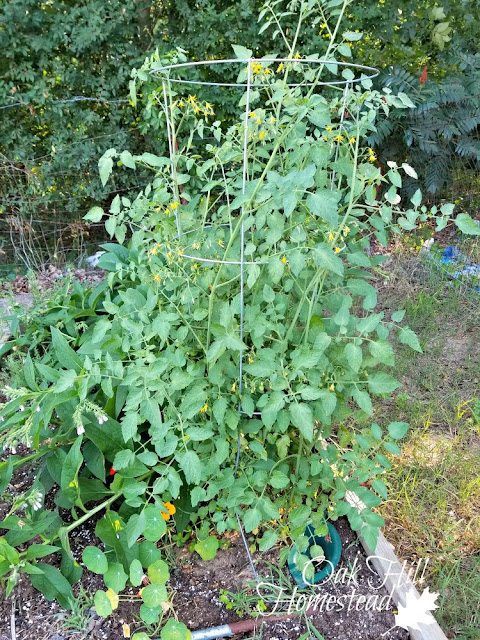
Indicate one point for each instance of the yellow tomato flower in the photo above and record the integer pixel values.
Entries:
(352, 139)
(117, 526)
(252, 114)
(192, 99)
(181, 104)
(174, 205)
(280, 67)
(332, 387)
(195, 265)
(331, 236)
(339, 138)
(261, 135)
(221, 243)
(204, 409)
(234, 387)
(337, 249)
(157, 277)
(297, 56)
(329, 128)
(284, 260)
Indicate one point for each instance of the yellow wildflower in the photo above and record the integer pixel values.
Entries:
(204, 409)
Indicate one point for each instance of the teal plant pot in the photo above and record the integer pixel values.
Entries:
(332, 549)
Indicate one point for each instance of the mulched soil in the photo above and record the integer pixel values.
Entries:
(196, 587)
(50, 278)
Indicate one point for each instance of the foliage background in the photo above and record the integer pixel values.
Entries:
(64, 77)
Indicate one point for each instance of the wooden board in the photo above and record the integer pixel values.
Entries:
(398, 583)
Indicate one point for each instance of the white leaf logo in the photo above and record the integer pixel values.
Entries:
(416, 610)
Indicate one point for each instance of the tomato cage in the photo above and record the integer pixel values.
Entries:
(227, 229)
(226, 237)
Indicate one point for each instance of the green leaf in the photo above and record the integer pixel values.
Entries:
(136, 572)
(155, 524)
(94, 215)
(141, 635)
(408, 337)
(158, 572)
(382, 383)
(95, 560)
(241, 52)
(279, 480)
(102, 604)
(174, 630)
(148, 553)
(39, 551)
(127, 159)
(123, 459)
(150, 615)
(382, 351)
(191, 466)
(154, 594)
(64, 352)
(105, 165)
(302, 418)
(324, 204)
(352, 36)
(252, 519)
(363, 400)
(70, 469)
(135, 527)
(129, 425)
(207, 548)
(354, 356)
(379, 486)
(268, 540)
(53, 585)
(397, 316)
(467, 225)
(327, 259)
(397, 430)
(416, 199)
(115, 577)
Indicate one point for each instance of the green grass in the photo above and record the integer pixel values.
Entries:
(433, 509)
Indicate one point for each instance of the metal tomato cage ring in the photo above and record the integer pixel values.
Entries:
(163, 73)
